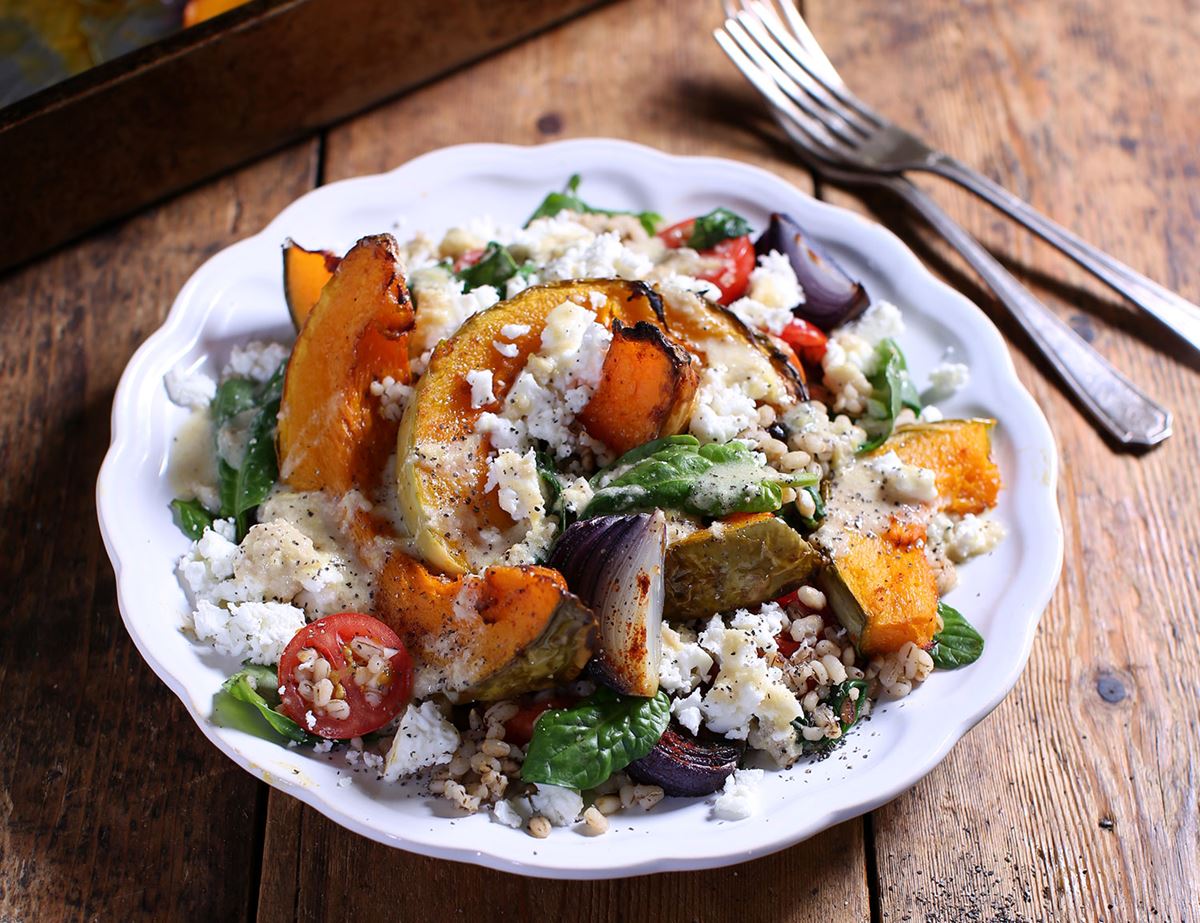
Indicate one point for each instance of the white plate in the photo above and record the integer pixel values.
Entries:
(238, 294)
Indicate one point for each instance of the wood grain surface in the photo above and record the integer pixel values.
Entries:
(1075, 800)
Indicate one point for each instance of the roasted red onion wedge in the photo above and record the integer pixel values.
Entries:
(683, 765)
(615, 565)
(830, 296)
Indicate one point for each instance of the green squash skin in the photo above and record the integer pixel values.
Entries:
(557, 656)
(735, 568)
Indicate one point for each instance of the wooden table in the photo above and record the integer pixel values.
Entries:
(1075, 800)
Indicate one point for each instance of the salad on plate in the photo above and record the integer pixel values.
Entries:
(562, 519)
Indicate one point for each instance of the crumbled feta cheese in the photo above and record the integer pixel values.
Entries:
(504, 433)
(393, 397)
(930, 414)
(518, 484)
(967, 537)
(722, 411)
(739, 798)
(512, 331)
(508, 350)
(683, 664)
(480, 381)
(773, 293)
(254, 631)
(244, 596)
(880, 321)
(902, 483)
(604, 256)
(255, 360)
(747, 687)
(762, 626)
(208, 564)
(687, 711)
(443, 306)
(561, 806)
(277, 561)
(516, 478)
(555, 385)
(507, 812)
(946, 379)
(578, 494)
(424, 738)
(193, 390)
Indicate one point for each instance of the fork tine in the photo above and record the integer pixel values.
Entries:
(807, 40)
(804, 49)
(815, 139)
(833, 125)
(838, 114)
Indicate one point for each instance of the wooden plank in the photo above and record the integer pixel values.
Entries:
(314, 870)
(571, 82)
(136, 129)
(1077, 798)
(112, 805)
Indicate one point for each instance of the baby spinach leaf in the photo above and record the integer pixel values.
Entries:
(958, 643)
(245, 487)
(845, 704)
(636, 454)
(718, 225)
(191, 517)
(892, 390)
(233, 396)
(494, 268)
(581, 747)
(568, 200)
(258, 686)
(710, 480)
(552, 491)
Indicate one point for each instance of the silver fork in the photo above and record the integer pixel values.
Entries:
(1128, 415)
(871, 142)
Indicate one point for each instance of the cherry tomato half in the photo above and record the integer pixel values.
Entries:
(519, 728)
(734, 256)
(468, 258)
(808, 340)
(355, 666)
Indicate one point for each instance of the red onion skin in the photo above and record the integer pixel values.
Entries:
(593, 557)
(831, 296)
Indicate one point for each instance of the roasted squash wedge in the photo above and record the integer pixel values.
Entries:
(331, 433)
(734, 565)
(480, 638)
(883, 591)
(647, 389)
(959, 451)
(442, 468)
(305, 273)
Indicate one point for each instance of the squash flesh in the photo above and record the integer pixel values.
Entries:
(305, 273)
(507, 631)
(959, 452)
(744, 561)
(647, 389)
(884, 592)
(332, 435)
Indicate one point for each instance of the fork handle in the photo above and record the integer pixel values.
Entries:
(1174, 312)
(1128, 415)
